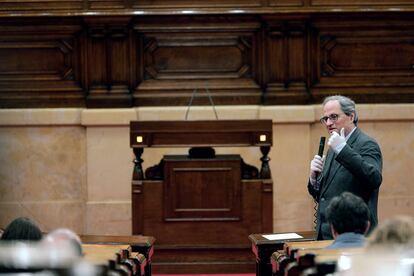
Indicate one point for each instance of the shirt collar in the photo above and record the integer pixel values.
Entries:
(349, 135)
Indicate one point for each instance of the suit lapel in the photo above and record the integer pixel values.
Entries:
(353, 137)
(327, 171)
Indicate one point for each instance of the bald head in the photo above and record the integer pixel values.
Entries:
(64, 234)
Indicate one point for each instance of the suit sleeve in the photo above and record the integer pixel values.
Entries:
(365, 164)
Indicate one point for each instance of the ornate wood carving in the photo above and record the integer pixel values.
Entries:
(39, 64)
(286, 62)
(359, 57)
(108, 60)
(42, 5)
(359, 2)
(129, 7)
(124, 60)
(197, 3)
(202, 54)
(287, 3)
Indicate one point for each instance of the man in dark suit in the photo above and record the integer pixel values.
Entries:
(353, 163)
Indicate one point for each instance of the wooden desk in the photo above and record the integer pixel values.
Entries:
(263, 248)
(100, 254)
(331, 254)
(202, 206)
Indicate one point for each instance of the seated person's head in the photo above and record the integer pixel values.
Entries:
(65, 235)
(22, 229)
(348, 213)
(394, 233)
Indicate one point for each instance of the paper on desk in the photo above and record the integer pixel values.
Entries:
(285, 236)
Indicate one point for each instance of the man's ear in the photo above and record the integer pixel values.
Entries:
(352, 117)
(367, 228)
(333, 231)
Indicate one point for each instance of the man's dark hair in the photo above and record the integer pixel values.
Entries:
(22, 229)
(348, 213)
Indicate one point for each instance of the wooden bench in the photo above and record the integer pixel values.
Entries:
(292, 247)
(140, 248)
(115, 257)
(280, 259)
(263, 248)
(296, 257)
(108, 257)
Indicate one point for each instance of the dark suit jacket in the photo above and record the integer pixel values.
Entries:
(356, 169)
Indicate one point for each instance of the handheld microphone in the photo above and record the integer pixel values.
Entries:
(321, 146)
(320, 153)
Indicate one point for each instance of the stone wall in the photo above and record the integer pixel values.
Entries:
(72, 167)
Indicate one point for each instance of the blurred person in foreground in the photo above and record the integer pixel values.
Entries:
(348, 216)
(394, 234)
(353, 163)
(64, 235)
(22, 229)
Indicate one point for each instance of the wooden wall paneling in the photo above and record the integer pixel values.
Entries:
(200, 53)
(267, 205)
(312, 55)
(128, 7)
(286, 62)
(109, 4)
(138, 207)
(371, 60)
(287, 3)
(259, 60)
(360, 2)
(41, 5)
(197, 4)
(108, 59)
(39, 63)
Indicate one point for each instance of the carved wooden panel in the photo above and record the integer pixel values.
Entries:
(204, 233)
(359, 56)
(109, 63)
(132, 60)
(128, 7)
(286, 62)
(236, 4)
(211, 56)
(43, 67)
(108, 4)
(41, 5)
(360, 2)
(287, 3)
(204, 190)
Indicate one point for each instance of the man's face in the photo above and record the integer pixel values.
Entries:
(332, 109)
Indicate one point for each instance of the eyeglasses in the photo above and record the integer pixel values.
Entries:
(333, 117)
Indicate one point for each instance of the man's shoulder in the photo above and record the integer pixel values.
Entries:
(362, 137)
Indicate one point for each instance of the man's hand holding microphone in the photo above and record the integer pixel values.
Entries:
(316, 167)
(337, 142)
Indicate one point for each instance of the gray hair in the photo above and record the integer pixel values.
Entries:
(347, 105)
